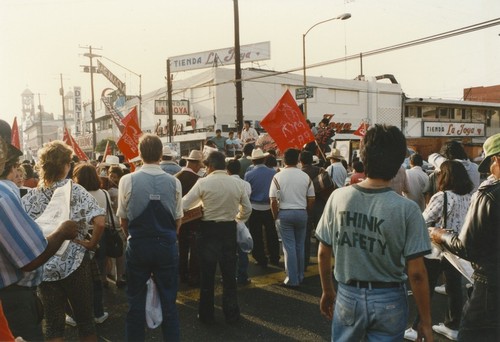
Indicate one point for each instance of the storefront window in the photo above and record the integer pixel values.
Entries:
(429, 113)
(478, 115)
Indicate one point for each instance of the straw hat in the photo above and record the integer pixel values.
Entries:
(258, 154)
(194, 155)
(335, 154)
(167, 151)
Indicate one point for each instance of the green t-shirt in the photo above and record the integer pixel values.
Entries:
(372, 233)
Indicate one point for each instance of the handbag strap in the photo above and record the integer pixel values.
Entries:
(445, 210)
(109, 210)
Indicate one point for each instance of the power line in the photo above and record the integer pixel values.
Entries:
(415, 42)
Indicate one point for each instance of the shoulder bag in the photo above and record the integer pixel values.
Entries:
(112, 239)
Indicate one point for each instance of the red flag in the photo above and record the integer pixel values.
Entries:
(131, 116)
(361, 131)
(15, 135)
(286, 124)
(68, 139)
(129, 141)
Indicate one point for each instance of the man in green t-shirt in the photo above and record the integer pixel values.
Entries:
(373, 233)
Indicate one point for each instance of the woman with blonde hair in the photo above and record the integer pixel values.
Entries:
(66, 277)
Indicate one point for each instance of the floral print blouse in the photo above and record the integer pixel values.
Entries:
(457, 206)
(84, 208)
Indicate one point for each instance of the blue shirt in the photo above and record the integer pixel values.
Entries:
(21, 241)
(260, 178)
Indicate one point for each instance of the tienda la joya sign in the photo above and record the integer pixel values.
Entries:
(220, 57)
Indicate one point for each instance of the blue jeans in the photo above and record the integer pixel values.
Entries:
(371, 315)
(293, 234)
(159, 258)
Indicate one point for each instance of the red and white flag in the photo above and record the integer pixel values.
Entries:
(69, 140)
(15, 135)
(286, 124)
(131, 116)
(361, 131)
(129, 141)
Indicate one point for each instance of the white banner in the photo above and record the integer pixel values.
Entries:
(453, 129)
(220, 57)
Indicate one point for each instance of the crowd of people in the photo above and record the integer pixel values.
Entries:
(390, 231)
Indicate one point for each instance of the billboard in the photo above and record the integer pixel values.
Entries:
(453, 129)
(179, 107)
(220, 57)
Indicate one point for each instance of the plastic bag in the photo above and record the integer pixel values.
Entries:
(154, 315)
(243, 237)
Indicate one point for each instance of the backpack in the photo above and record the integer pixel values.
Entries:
(323, 184)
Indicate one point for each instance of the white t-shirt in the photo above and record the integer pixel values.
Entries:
(295, 186)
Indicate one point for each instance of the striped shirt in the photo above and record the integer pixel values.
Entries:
(21, 241)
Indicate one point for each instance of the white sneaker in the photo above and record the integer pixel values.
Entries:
(70, 321)
(101, 319)
(445, 331)
(411, 334)
(440, 289)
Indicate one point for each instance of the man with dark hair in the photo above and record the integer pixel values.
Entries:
(479, 242)
(224, 201)
(233, 145)
(260, 178)
(219, 141)
(372, 233)
(417, 181)
(292, 199)
(245, 160)
(189, 269)
(249, 135)
(150, 211)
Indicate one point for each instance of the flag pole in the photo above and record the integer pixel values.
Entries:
(320, 150)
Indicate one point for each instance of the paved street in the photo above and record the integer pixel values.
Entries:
(269, 312)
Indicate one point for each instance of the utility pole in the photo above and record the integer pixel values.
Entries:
(61, 91)
(237, 62)
(169, 102)
(40, 117)
(90, 55)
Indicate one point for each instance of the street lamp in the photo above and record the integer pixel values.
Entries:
(340, 17)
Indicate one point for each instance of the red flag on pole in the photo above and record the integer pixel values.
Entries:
(286, 124)
(15, 135)
(129, 141)
(68, 139)
(131, 116)
(361, 131)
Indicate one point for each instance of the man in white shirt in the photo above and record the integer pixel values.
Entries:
(292, 197)
(417, 181)
(249, 135)
(224, 201)
(336, 170)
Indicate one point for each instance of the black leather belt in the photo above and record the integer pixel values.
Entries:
(374, 284)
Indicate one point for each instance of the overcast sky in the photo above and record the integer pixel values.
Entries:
(41, 39)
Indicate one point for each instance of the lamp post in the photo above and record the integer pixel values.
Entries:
(340, 17)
